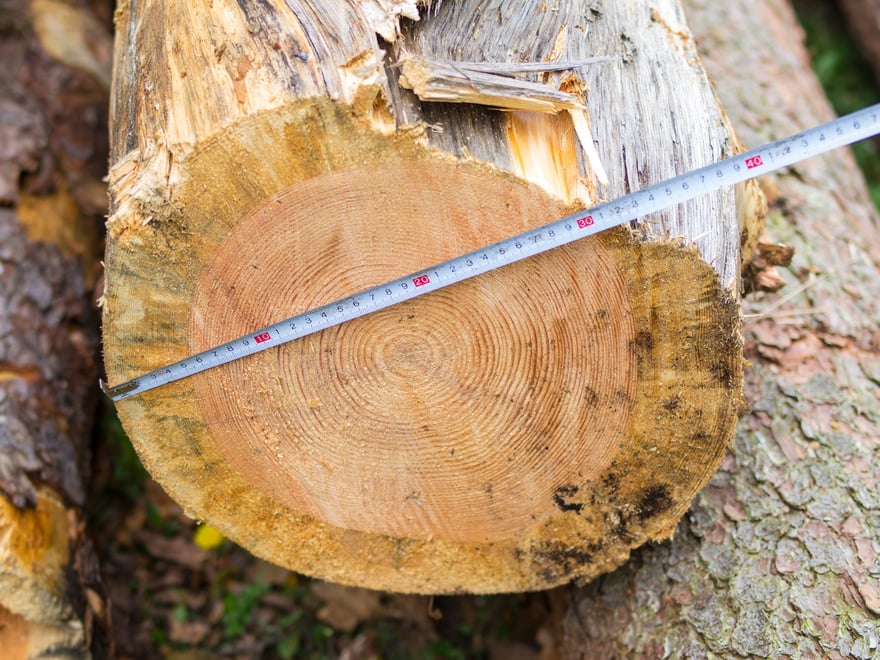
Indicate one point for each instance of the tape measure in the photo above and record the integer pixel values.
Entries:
(775, 155)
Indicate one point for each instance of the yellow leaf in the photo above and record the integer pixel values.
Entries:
(207, 538)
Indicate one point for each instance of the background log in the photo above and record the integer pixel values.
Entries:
(778, 557)
(52, 159)
(863, 19)
(513, 433)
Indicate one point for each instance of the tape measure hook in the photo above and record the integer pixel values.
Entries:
(118, 390)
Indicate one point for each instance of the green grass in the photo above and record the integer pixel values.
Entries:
(238, 609)
(848, 80)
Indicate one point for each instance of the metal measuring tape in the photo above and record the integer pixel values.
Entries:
(775, 155)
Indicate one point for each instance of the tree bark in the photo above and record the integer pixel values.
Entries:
(778, 556)
(52, 158)
(509, 433)
(863, 19)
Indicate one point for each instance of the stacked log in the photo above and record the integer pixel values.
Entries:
(52, 159)
(513, 432)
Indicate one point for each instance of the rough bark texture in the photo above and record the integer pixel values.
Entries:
(52, 155)
(778, 557)
(508, 433)
(863, 18)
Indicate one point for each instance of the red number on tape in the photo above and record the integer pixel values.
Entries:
(263, 336)
(421, 280)
(585, 222)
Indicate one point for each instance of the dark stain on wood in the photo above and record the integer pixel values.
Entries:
(654, 500)
(561, 495)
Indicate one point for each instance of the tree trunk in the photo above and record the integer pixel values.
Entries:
(52, 158)
(512, 432)
(863, 19)
(778, 557)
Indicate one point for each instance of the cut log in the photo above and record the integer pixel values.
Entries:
(52, 157)
(779, 555)
(512, 432)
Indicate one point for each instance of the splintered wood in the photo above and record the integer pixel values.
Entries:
(493, 85)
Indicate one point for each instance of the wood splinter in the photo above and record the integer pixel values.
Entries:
(493, 85)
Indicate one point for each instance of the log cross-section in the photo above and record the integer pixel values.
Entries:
(515, 431)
